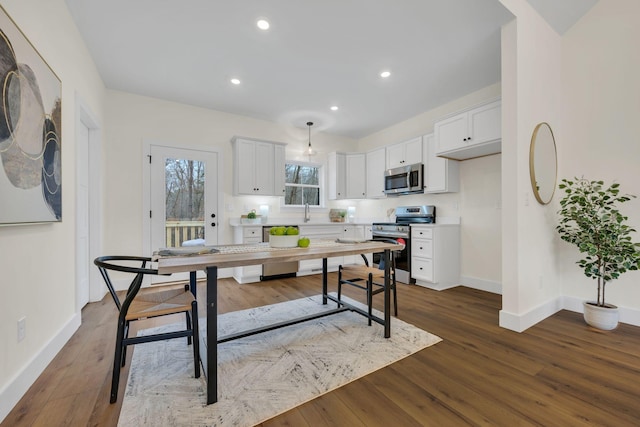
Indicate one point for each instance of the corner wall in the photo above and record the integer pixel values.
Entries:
(601, 132)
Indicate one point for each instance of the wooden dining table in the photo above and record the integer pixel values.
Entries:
(211, 258)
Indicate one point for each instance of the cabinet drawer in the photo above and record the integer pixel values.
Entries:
(252, 232)
(422, 248)
(422, 269)
(422, 233)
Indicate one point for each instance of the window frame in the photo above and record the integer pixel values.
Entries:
(320, 186)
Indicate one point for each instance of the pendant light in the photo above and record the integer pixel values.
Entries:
(309, 151)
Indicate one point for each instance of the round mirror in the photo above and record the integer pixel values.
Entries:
(543, 163)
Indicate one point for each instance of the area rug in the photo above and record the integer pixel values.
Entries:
(262, 376)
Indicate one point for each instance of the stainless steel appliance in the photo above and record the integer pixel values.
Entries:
(401, 232)
(404, 180)
(281, 269)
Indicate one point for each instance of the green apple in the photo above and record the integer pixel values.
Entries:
(291, 231)
(303, 242)
(280, 231)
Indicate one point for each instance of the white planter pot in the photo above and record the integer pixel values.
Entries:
(605, 318)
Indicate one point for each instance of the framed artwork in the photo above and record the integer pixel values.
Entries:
(30, 125)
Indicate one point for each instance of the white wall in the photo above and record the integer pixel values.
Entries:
(585, 86)
(601, 129)
(37, 265)
(132, 120)
(531, 94)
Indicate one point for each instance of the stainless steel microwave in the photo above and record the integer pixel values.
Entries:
(404, 180)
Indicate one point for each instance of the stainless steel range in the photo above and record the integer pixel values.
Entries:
(401, 232)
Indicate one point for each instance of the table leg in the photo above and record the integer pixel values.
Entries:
(211, 370)
(324, 281)
(387, 293)
(193, 284)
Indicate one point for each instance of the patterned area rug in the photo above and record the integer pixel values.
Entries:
(264, 375)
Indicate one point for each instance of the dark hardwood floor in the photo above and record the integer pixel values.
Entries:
(557, 373)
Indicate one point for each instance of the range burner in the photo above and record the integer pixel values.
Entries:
(405, 216)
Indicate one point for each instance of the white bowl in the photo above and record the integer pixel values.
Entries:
(286, 241)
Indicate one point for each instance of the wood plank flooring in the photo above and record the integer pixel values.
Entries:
(557, 373)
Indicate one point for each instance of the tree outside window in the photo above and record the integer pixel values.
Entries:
(302, 184)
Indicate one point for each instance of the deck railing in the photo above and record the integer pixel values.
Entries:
(177, 232)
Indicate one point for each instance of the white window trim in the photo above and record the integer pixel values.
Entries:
(322, 184)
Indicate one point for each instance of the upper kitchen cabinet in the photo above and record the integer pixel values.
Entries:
(337, 175)
(376, 164)
(346, 176)
(257, 167)
(440, 175)
(280, 174)
(356, 178)
(475, 132)
(404, 153)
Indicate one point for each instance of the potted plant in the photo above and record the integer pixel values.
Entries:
(590, 219)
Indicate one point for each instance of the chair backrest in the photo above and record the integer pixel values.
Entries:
(122, 263)
(393, 254)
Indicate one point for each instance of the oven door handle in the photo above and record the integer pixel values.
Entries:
(391, 234)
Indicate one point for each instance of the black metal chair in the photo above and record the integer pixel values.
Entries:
(370, 279)
(145, 304)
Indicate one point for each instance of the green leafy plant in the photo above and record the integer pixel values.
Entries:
(252, 214)
(590, 219)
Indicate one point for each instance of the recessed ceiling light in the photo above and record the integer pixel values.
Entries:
(385, 74)
(263, 24)
(235, 81)
(334, 108)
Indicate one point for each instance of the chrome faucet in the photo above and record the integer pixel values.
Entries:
(307, 217)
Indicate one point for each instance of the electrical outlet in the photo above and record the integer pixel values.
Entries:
(22, 328)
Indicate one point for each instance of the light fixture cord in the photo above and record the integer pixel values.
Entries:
(310, 124)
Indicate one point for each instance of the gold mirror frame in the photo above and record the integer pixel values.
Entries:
(543, 163)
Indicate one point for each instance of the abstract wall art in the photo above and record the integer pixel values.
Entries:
(30, 125)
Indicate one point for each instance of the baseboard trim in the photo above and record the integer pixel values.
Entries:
(521, 322)
(481, 284)
(11, 394)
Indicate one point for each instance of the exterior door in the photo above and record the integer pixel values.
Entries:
(184, 199)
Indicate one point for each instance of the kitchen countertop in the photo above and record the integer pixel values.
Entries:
(235, 222)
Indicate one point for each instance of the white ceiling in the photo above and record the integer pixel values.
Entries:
(316, 54)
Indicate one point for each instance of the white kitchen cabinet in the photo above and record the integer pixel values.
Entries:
(279, 164)
(346, 178)
(475, 132)
(254, 167)
(441, 175)
(355, 176)
(337, 171)
(375, 167)
(314, 266)
(404, 153)
(351, 231)
(435, 255)
(249, 273)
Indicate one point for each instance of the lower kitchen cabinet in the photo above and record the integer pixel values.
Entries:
(435, 255)
(249, 273)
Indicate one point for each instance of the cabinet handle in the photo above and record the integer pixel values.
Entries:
(213, 224)
(420, 247)
(213, 215)
(420, 268)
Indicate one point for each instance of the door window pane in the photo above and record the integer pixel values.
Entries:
(184, 207)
